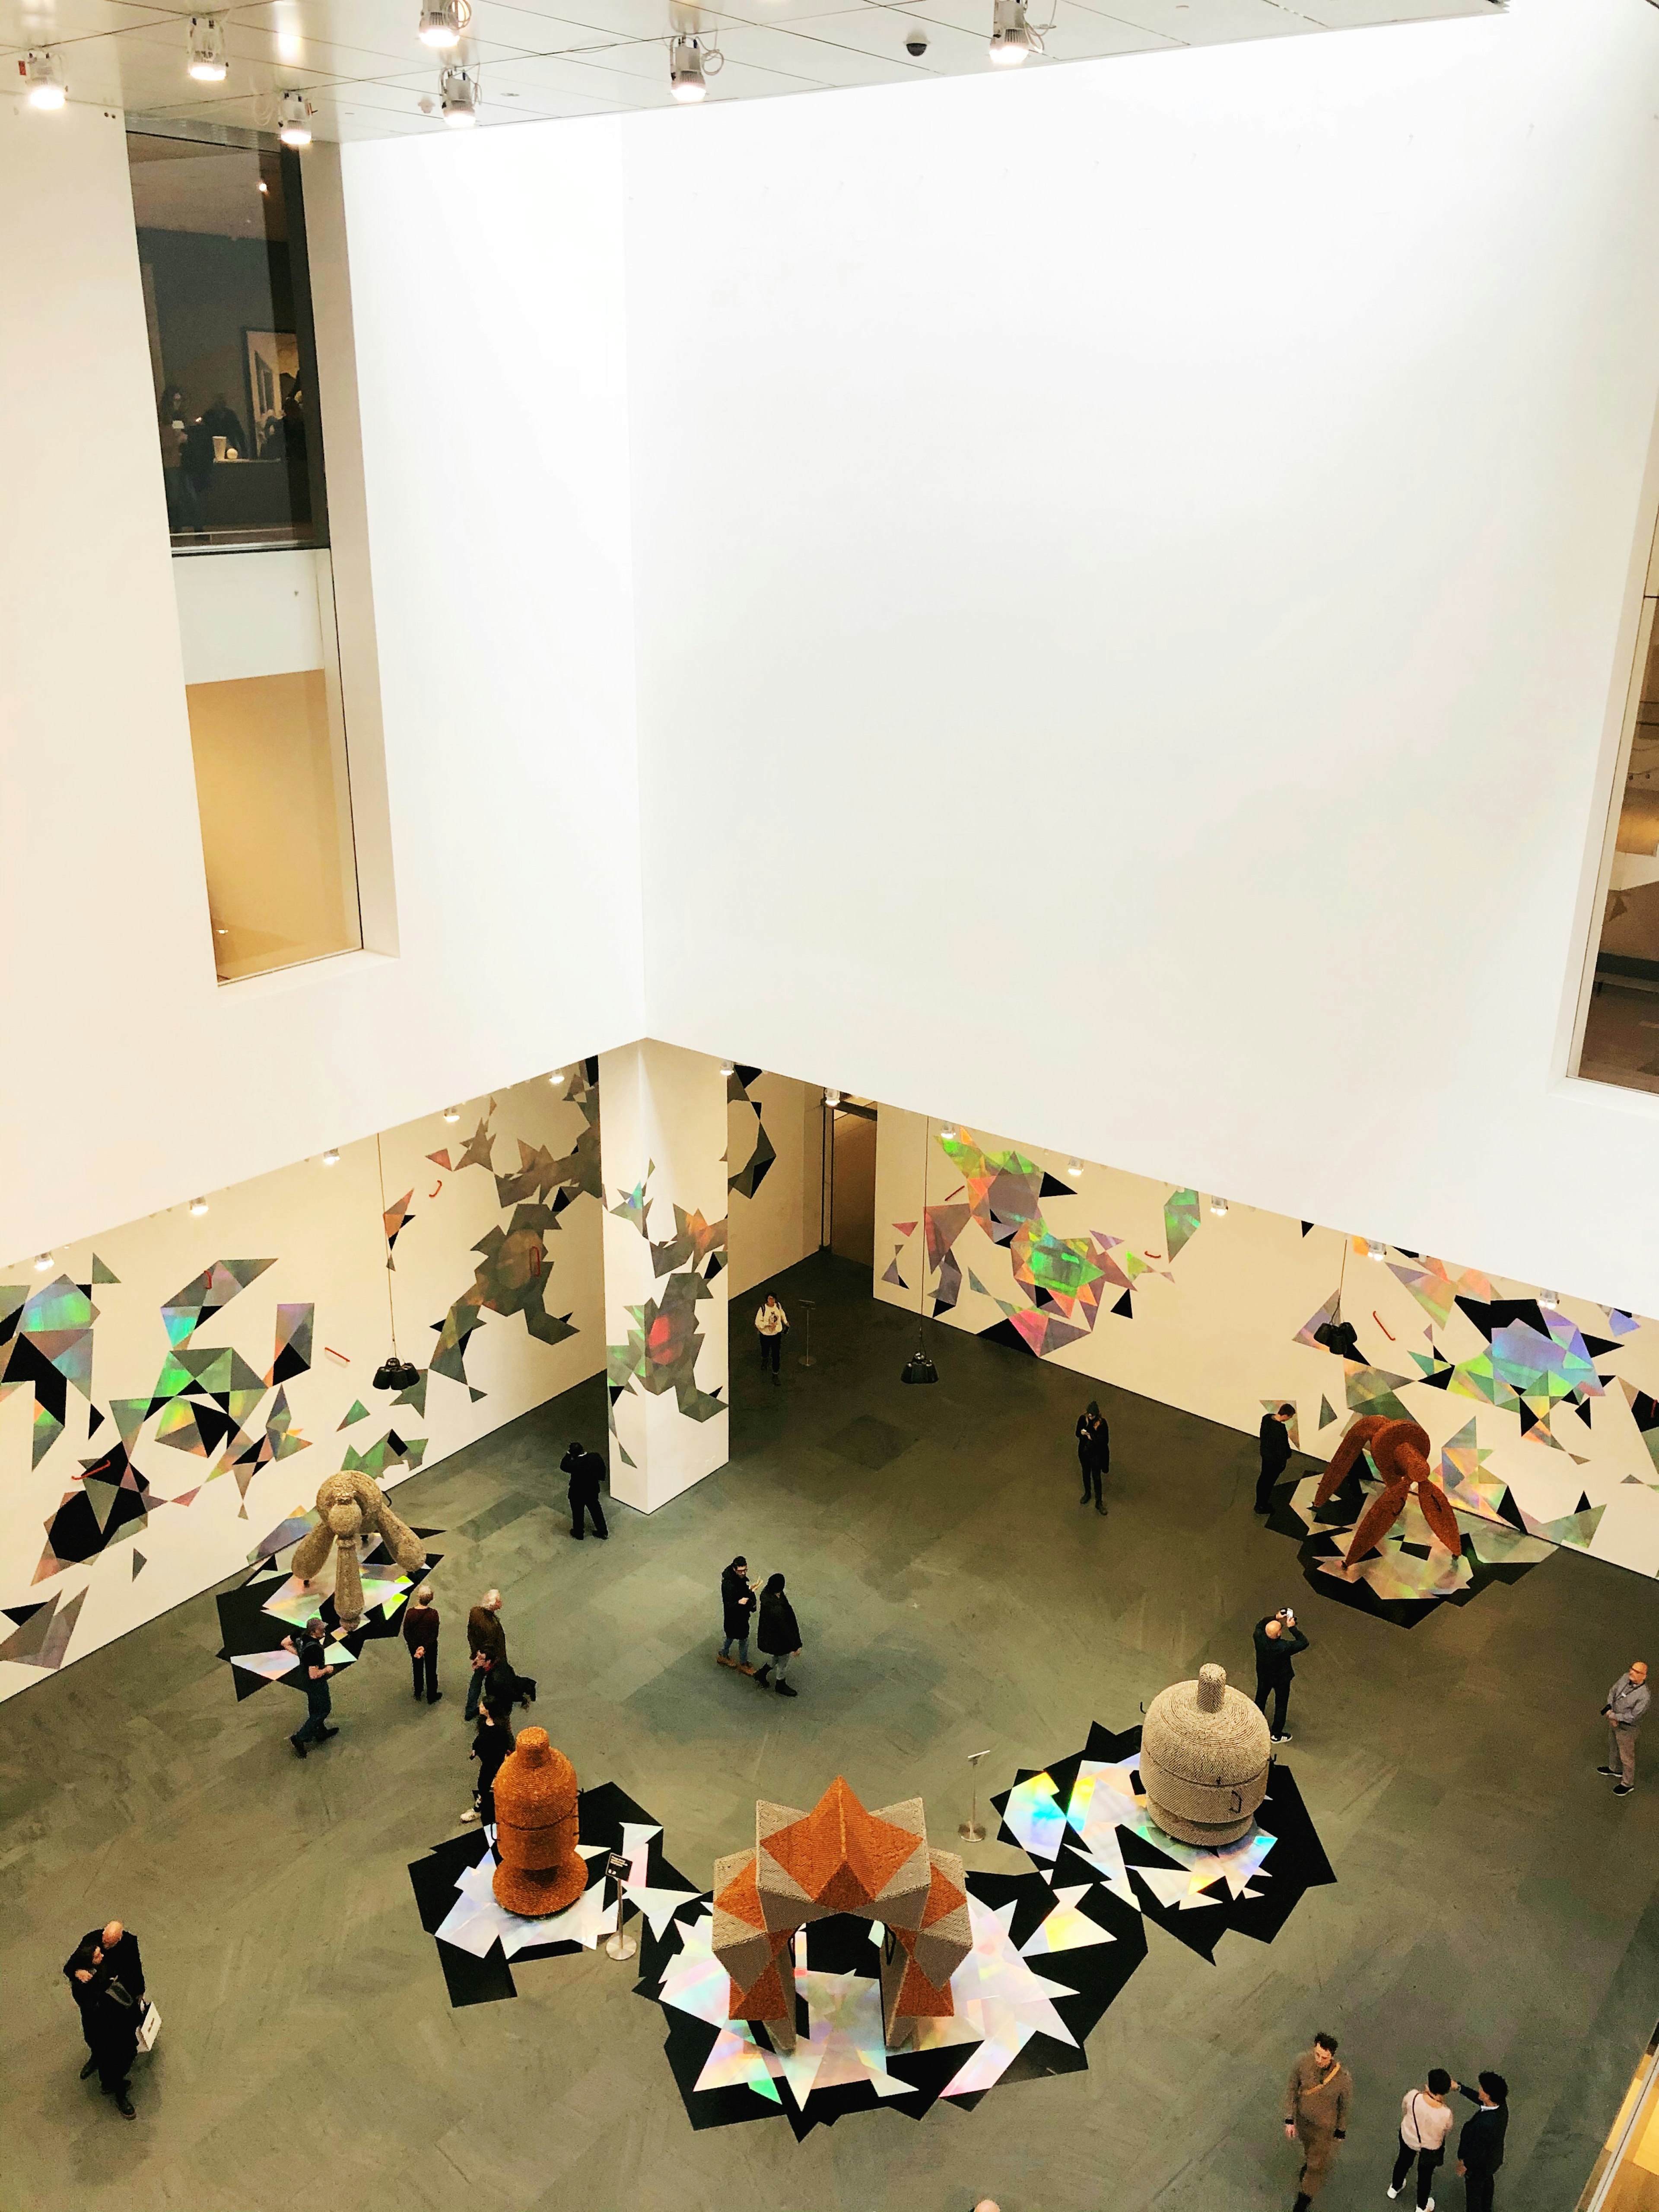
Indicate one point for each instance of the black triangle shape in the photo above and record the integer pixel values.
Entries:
(1306, 1226)
(1052, 1187)
(94, 1422)
(1004, 1333)
(1124, 1308)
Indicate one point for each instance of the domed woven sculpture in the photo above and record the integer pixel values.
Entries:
(541, 1871)
(1204, 1757)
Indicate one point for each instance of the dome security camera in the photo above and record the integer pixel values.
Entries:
(915, 42)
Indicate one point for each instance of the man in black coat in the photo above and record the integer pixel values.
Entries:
(586, 1471)
(780, 1635)
(1275, 1433)
(1480, 2145)
(1094, 1452)
(106, 1977)
(1278, 1640)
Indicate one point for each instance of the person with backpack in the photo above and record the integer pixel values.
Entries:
(779, 1638)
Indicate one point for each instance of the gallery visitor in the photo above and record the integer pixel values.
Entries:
(314, 1673)
(586, 1471)
(1480, 2144)
(1425, 2121)
(1277, 1639)
(1275, 1433)
(779, 1637)
(106, 1978)
(485, 1639)
(1317, 2100)
(737, 1608)
(491, 1742)
(1627, 1701)
(771, 1326)
(421, 1626)
(1094, 1452)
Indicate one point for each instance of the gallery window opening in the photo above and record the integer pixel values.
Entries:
(224, 253)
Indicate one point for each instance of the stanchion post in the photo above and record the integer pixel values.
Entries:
(806, 1306)
(973, 1828)
(618, 1944)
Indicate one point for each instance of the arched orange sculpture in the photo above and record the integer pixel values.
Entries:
(1399, 1452)
(541, 1871)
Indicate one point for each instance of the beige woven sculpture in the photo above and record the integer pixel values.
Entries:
(351, 1505)
(1204, 1757)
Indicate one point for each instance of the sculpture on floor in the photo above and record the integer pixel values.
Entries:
(1399, 1452)
(840, 1858)
(541, 1871)
(351, 1506)
(1206, 1754)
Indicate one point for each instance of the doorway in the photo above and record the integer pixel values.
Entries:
(853, 1183)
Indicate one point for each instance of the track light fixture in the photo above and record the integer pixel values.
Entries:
(1012, 37)
(1217, 1206)
(42, 1263)
(442, 22)
(207, 65)
(557, 1076)
(1549, 1300)
(832, 1098)
(1074, 1168)
(728, 1067)
(452, 1113)
(43, 73)
(1376, 1249)
(293, 127)
(331, 1156)
(690, 63)
(459, 96)
(947, 1132)
(198, 1205)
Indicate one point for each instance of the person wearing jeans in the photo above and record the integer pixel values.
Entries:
(314, 1674)
(737, 1607)
(421, 1626)
(1425, 2121)
(771, 1325)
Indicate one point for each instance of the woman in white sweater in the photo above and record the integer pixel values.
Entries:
(1425, 2121)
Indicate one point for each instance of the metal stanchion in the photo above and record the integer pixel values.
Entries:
(619, 1944)
(973, 1828)
(806, 1306)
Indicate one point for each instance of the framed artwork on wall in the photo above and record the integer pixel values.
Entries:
(273, 371)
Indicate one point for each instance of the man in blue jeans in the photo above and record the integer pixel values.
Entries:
(314, 1674)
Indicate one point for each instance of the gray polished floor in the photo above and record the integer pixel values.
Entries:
(1494, 1906)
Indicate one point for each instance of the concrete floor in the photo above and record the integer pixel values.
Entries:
(1494, 1905)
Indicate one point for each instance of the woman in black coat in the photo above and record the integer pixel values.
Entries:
(737, 1605)
(780, 1635)
(490, 1745)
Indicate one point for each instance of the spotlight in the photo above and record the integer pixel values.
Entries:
(1376, 1249)
(947, 1135)
(43, 73)
(686, 68)
(207, 50)
(557, 1076)
(452, 1113)
(395, 1374)
(295, 122)
(459, 96)
(1217, 1206)
(198, 1205)
(1074, 1168)
(442, 22)
(42, 1263)
(1549, 1300)
(728, 1067)
(331, 1156)
(1012, 37)
(919, 1367)
(832, 1098)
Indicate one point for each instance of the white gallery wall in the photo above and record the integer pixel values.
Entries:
(1130, 562)
(498, 548)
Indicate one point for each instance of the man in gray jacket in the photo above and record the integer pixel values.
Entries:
(1627, 1700)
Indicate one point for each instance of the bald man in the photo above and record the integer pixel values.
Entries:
(104, 1956)
(1627, 1701)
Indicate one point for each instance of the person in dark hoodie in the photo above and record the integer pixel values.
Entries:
(737, 1608)
(1480, 2145)
(780, 1635)
(1094, 1452)
(1275, 1434)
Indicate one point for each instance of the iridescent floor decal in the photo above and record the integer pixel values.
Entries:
(255, 1616)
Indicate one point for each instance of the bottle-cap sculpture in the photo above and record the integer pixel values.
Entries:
(541, 1871)
(840, 1858)
(349, 1504)
(1204, 1757)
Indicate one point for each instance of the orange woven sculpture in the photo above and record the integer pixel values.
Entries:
(541, 1871)
(1398, 1451)
(840, 1858)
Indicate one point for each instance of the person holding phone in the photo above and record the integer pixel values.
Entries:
(1278, 1640)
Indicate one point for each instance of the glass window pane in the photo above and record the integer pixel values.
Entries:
(222, 247)
(276, 809)
(1621, 1032)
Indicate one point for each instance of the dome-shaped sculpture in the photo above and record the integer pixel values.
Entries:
(541, 1871)
(1204, 1757)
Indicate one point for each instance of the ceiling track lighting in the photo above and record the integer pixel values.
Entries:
(1375, 1248)
(1074, 1168)
(443, 22)
(43, 74)
(452, 1113)
(1217, 1206)
(1012, 39)
(728, 1067)
(459, 97)
(198, 1205)
(331, 1156)
(947, 1134)
(42, 1262)
(1549, 1300)
(207, 65)
(294, 121)
(557, 1076)
(691, 61)
(832, 1098)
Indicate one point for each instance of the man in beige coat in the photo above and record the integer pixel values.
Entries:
(1316, 2101)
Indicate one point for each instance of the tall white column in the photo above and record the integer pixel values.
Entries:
(662, 1152)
